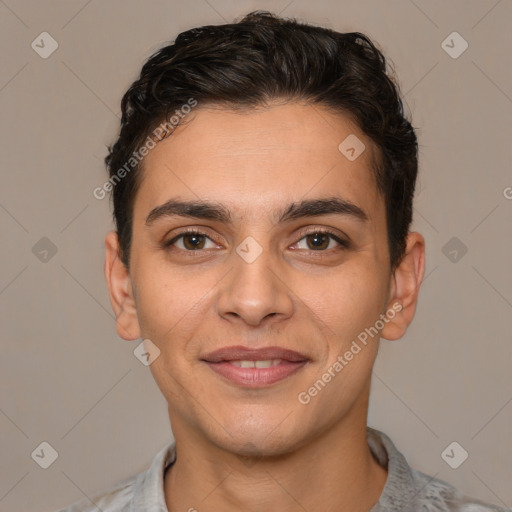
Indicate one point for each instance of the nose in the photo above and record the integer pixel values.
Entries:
(255, 292)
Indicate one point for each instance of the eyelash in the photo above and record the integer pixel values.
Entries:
(344, 244)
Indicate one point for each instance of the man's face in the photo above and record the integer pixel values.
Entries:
(259, 282)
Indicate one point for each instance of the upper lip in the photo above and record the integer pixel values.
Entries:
(240, 353)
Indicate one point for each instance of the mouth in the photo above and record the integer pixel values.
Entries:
(255, 368)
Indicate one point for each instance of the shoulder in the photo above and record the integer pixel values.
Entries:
(410, 490)
(143, 491)
(116, 498)
(436, 495)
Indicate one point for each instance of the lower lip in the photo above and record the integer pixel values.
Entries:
(256, 377)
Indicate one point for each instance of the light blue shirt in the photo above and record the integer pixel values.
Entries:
(406, 489)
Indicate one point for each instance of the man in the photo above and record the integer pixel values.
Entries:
(263, 182)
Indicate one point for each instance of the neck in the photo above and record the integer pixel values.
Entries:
(334, 472)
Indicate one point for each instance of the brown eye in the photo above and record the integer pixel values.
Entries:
(193, 241)
(320, 241)
(190, 241)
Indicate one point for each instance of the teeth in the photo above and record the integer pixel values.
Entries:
(256, 364)
(263, 364)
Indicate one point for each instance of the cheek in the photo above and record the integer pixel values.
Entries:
(347, 302)
(166, 302)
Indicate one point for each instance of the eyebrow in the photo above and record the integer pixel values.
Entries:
(208, 210)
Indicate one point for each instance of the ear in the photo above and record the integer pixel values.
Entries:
(405, 287)
(120, 289)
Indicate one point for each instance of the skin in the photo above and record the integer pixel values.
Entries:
(254, 449)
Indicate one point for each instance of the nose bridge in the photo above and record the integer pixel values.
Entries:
(254, 289)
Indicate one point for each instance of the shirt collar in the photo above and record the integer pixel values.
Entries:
(148, 492)
(399, 491)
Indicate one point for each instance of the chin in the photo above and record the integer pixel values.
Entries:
(248, 446)
(259, 436)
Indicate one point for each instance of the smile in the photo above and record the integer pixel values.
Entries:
(255, 368)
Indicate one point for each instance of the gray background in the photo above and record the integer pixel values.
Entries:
(69, 380)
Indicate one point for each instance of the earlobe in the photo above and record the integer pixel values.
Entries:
(120, 290)
(405, 288)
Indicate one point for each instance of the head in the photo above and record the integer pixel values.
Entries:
(297, 241)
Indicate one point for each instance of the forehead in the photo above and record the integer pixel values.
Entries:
(255, 161)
